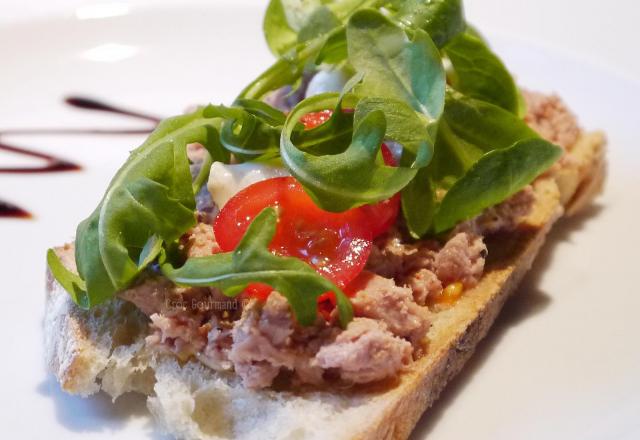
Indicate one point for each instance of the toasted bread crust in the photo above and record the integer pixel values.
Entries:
(78, 354)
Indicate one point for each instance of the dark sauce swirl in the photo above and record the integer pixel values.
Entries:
(54, 164)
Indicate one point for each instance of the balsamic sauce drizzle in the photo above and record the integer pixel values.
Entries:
(55, 164)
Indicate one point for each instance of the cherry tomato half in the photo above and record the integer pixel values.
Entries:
(337, 245)
(315, 119)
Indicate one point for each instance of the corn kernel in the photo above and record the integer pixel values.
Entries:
(449, 295)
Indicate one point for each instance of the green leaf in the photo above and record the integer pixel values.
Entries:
(332, 137)
(70, 281)
(252, 262)
(334, 50)
(419, 203)
(441, 19)
(404, 126)
(480, 74)
(320, 22)
(338, 182)
(287, 70)
(253, 130)
(495, 177)
(394, 65)
(279, 35)
(482, 124)
(150, 196)
(468, 129)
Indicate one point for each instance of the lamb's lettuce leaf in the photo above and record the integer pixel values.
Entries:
(277, 31)
(395, 65)
(320, 22)
(252, 262)
(480, 74)
(468, 130)
(496, 176)
(419, 203)
(441, 19)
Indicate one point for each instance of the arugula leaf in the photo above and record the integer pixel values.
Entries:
(338, 182)
(71, 282)
(394, 65)
(151, 198)
(253, 262)
(480, 74)
(495, 177)
(253, 130)
(404, 126)
(332, 137)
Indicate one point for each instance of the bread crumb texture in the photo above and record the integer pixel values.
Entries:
(104, 349)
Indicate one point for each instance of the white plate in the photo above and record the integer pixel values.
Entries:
(561, 362)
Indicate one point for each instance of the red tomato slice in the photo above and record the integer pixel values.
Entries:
(382, 215)
(315, 119)
(258, 290)
(326, 303)
(337, 245)
(387, 156)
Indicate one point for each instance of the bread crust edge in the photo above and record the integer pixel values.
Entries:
(76, 361)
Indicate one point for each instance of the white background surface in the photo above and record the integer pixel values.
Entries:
(563, 360)
(602, 31)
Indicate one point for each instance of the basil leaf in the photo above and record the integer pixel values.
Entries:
(394, 65)
(70, 281)
(495, 177)
(480, 74)
(252, 262)
(342, 181)
(150, 198)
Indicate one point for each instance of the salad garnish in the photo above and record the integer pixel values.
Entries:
(420, 79)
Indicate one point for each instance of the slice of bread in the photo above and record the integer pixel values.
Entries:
(103, 349)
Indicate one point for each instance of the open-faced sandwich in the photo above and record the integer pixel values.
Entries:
(320, 258)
